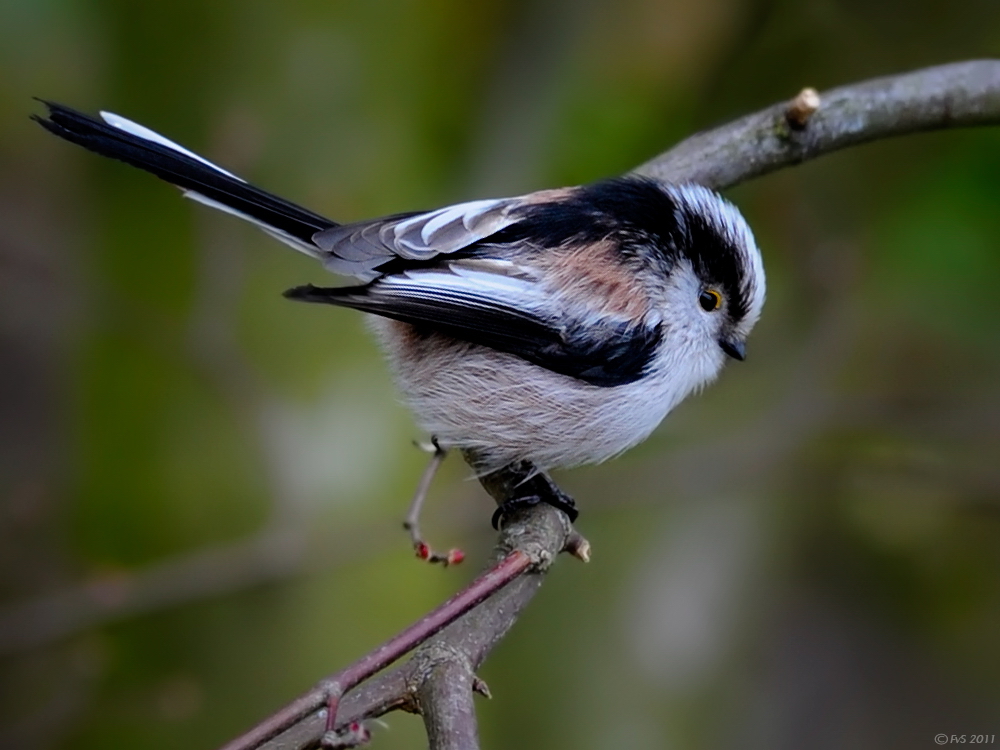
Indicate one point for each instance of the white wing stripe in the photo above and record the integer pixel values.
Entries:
(453, 213)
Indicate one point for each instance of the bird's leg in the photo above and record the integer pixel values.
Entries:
(412, 521)
(494, 579)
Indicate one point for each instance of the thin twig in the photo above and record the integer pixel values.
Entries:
(331, 690)
(541, 532)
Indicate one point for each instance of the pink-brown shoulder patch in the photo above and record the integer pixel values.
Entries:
(594, 272)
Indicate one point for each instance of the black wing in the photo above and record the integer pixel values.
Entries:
(512, 313)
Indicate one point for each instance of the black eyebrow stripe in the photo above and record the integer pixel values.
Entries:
(716, 259)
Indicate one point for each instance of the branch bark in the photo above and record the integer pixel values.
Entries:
(539, 532)
(947, 96)
(444, 698)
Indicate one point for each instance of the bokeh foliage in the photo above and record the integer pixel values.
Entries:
(808, 555)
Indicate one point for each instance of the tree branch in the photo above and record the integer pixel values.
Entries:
(539, 532)
(444, 697)
(948, 96)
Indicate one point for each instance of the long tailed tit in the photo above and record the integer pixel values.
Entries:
(558, 327)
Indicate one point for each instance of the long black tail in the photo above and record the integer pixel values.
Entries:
(201, 180)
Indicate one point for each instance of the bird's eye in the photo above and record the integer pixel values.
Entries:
(710, 300)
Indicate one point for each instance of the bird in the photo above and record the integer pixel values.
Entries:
(558, 327)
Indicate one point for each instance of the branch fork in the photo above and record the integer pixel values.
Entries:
(451, 641)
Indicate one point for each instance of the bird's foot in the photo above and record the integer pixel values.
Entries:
(553, 496)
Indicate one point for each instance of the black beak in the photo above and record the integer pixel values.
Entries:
(735, 349)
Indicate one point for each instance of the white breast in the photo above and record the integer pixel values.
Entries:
(507, 409)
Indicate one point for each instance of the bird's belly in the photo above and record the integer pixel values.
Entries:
(506, 409)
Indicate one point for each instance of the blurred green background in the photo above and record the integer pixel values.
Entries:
(201, 484)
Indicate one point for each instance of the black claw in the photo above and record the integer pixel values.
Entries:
(512, 506)
(556, 498)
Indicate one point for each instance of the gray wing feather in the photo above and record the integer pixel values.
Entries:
(358, 249)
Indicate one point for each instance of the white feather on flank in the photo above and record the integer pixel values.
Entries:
(470, 288)
(140, 131)
(303, 247)
(459, 277)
